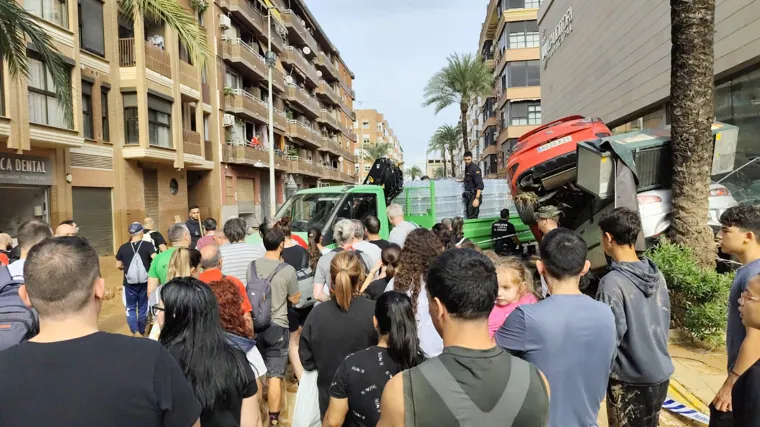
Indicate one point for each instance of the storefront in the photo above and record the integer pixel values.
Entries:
(25, 183)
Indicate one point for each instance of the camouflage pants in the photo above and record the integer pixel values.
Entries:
(631, 405)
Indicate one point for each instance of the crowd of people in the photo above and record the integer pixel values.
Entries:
(422, 329)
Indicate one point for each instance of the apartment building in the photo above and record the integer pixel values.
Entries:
(509, 45)
(372, 128)
(153, 133)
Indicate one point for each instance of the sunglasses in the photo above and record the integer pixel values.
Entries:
(745, 297)
(156, 309)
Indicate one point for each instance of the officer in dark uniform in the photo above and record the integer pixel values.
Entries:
(473, 187)
(504, 235)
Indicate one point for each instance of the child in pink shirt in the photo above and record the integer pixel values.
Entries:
(515, 289)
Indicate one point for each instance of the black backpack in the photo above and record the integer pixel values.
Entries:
(17, 321)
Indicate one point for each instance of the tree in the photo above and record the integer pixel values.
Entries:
(462, 79)
(435, 146)
(446, 138)
(16, 26)
(439, 172)
(376, 151)
(414, 172)
(691, 97)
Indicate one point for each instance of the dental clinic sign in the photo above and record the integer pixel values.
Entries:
(550, 44)
(28, 170)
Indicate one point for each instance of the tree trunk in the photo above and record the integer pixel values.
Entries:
(691, 97)
(465, 141)
(453, 165)
(443, 157)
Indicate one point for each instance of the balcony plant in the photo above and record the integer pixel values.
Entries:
(228, 91)
(200, 6)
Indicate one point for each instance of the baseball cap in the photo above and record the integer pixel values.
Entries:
(548, 212)
(135, 228)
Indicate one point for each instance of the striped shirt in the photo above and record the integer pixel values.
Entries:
(236, 257)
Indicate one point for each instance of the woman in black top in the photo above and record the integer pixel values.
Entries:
(386, 267)
(340, 326)
(359, 382)
(221, 378)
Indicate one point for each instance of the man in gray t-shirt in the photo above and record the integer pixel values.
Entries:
(401, 227)
(344, 236)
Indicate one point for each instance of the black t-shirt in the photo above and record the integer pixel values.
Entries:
(295, 256)
(158, 239)
(229, 414)
(376, 288)
(128, 250)
(361, 378)
(382, 244)
(97, 380)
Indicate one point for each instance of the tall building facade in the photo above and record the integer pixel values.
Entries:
(509, 45)
(372, 128)
(154, 133)
(630, 86)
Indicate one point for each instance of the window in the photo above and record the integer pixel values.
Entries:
(55, 11)
(365, 124)
(104, 114)
(159, 121)
(523, 34)
(524, 113)
(366, 140)
(43, 104)
(233, 80)
(183, 53)
(201, 20)
(204, 75)
(523, 74)
(91, 36)
(131, 128)
(87, 110)
(159, 129)
(520, 4)
(206, 128)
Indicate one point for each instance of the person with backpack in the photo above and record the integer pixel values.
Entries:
(271, 283)
(135, 258)
(344, 236)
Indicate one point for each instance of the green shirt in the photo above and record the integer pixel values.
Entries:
(160, 264)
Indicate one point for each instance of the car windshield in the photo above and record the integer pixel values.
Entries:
(308, 211)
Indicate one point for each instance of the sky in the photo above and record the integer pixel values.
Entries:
(394, 47)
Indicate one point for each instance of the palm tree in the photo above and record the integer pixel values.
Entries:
(16, 26)
(691, 97)
(414, 172)
(446, 138)
(375, 151)
(462, 79)
(439, 172)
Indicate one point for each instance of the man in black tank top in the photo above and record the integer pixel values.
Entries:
(473, 382)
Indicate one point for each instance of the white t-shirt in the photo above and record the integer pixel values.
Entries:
(374, 251)
(16, 269)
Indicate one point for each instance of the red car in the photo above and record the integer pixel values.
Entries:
(545, 158)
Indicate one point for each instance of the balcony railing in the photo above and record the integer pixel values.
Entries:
(236, 50)
(238, 151)
(158, 60)
(326, 63)
(280, 120)
(244, 103)
(192, 142)
(248, 13)
(188, 75)
(328, 118)
(302, 98)
(126, 52)
(294, 21)
(293, 56)
(328, 92)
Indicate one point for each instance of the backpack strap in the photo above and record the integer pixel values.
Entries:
(251, 272)
(305, 261)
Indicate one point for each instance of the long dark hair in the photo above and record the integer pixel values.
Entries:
(315, 238)
(443, 233)
(390, 257)
(285, 225)
(420, 249)
(193, 334)
(396, 319)
(457, 229)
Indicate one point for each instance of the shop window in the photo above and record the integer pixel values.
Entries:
(523, 73)
(55, 11)
(91, 36)
(104, 114)
(524, 113)
(87, 110)
(43, 104)
(522, 34)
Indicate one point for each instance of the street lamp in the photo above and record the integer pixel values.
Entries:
(270, 65)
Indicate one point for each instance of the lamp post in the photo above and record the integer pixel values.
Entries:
(270, 65)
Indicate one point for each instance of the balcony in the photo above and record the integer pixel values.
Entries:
(188, 75)
(352, 136)
(280, 120)
(293, 57)
(329, 119)
(237, 152)
(278, 40)
(303, 167)
(191, 141)
(243, 103)
(247, 13)
(278, 80)
(300, 97)
(238, 52)
(344, 129)
(489, 123)
(326, 64)
(156, 59)
(328, 93)
(293, 22)
(330, 146)
(299, 131)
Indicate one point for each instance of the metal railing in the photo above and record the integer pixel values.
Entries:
(127, 52)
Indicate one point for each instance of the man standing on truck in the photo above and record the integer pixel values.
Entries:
(473, 187)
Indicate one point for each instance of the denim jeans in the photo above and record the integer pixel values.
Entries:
(137, 306)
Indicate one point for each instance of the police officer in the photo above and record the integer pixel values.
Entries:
(504, 235)
(473, 187)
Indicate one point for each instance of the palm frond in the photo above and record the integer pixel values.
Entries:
(375, 151)
(15, 25)
(190, 33)
(463, 77)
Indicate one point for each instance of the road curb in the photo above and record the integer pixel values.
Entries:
(681, 393)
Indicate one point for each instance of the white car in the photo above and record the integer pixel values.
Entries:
(654, 207)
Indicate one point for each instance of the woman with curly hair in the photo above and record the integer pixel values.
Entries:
(421, 248)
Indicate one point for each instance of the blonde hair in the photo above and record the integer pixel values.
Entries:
(182, 262)
(505, 265)
(347, 273)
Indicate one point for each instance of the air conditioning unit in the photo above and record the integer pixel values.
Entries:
(224, 21)
(228, 120)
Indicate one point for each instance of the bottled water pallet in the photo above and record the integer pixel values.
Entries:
(448, 198)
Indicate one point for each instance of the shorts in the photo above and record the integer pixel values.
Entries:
(273, 343)
(297, 317)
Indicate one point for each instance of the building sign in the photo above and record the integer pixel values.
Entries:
(27, 170)
(551, 43)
